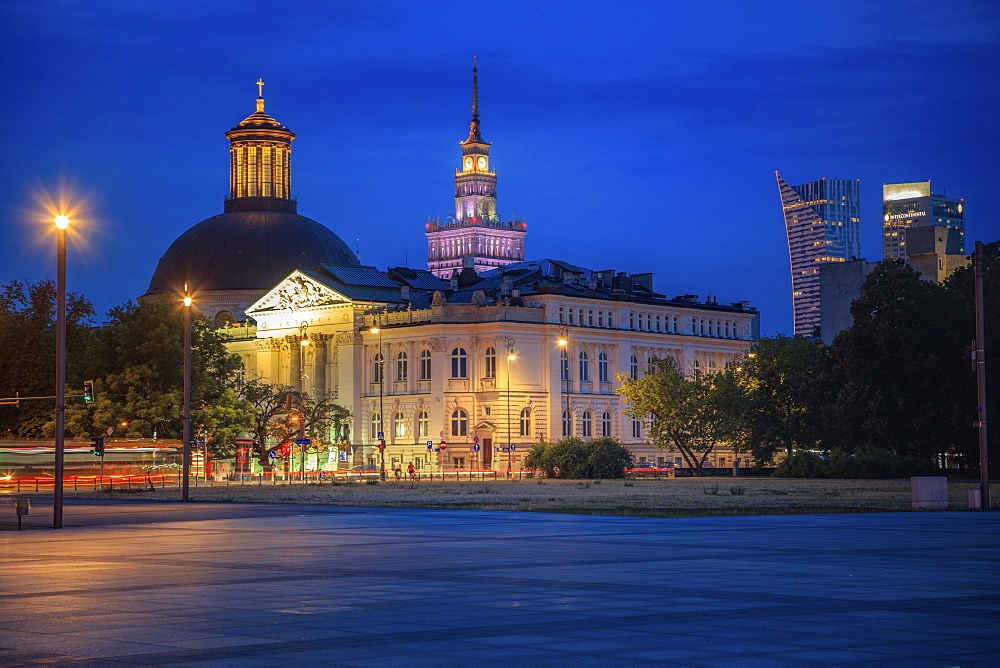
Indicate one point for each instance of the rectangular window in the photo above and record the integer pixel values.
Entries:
(590, 318)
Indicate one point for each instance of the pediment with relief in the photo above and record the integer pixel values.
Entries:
(297, 293)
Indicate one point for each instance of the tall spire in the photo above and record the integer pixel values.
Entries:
(474, 136)
(475, 90)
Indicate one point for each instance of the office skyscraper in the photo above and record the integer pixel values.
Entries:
(906, 205)
(822, 222)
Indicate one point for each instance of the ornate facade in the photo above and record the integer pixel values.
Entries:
(440, 370)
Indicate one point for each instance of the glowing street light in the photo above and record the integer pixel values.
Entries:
(381, 414)
(186, 461)
(62, 222)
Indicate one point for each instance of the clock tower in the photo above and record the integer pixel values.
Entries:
(475, 236)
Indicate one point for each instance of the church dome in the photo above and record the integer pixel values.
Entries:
(259, 238)
(247, 250)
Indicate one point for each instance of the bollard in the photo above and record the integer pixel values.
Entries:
(23, 506)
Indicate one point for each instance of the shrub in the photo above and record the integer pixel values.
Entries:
(574, 458)
(867, 463)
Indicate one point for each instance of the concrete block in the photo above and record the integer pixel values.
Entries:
(929, 492)
(975, 502)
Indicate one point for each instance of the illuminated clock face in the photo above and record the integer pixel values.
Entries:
(960, 207)
(468, 163)
(886, 217)
(482, 162)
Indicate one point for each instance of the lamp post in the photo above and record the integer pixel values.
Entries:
(375, 329)
(186, 431)
(511, 356)
(562, 341)
(62, 222)
(303, 343)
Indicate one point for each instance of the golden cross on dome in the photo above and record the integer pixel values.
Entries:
(260, 87)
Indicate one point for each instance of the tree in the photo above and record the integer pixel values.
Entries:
(773, 403)
(28, 342)
(137, 364)
(682, 413)
(326, 423)
(891, 378)
(268, 402)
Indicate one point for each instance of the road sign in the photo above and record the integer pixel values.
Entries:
(302, 441)
(475, 439)
(381, 435)
(272, 454)
(513, 446)
(111, 430)
(476, 447)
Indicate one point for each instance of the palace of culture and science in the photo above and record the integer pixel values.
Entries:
(482, 352)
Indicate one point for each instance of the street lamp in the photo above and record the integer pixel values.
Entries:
(303, 344)
(62, 222)
(511, 356)
(381, 414)
(186, 432)
(562, 341)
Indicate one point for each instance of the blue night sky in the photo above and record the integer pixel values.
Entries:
(638, 136)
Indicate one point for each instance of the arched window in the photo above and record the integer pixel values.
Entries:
(605, 424)
(376, 426)
(711, 366)
(602, 368)
(563, 365)
(636, 428)
(399, 425)
(650, 364)
(377, 366)
(423, 425)
(567, 424)
(425, 365)
(459, 363)
(587, 425)
(584, 366)
(633, 367)
(459, 423)
(697, 367)
(491, 362)
(525, 422)
(224, 319)
(401, 366)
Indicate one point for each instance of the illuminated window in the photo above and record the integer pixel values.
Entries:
(399, 425)
(376, 426)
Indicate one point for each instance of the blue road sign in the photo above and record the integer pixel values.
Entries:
(476, 447)
(430, 445)
(302, 441)
(272, 454)
(475, 439)
(381, 435)
(513, 446)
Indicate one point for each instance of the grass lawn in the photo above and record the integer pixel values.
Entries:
(672, 497)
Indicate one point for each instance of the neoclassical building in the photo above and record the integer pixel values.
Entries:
(485, 364)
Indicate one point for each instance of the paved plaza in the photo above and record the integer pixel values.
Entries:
(271, 585)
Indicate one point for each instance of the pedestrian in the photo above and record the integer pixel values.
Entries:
(411, 471)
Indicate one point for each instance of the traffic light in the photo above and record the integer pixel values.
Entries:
(88, 391)
(381, 444)
(98, 442)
